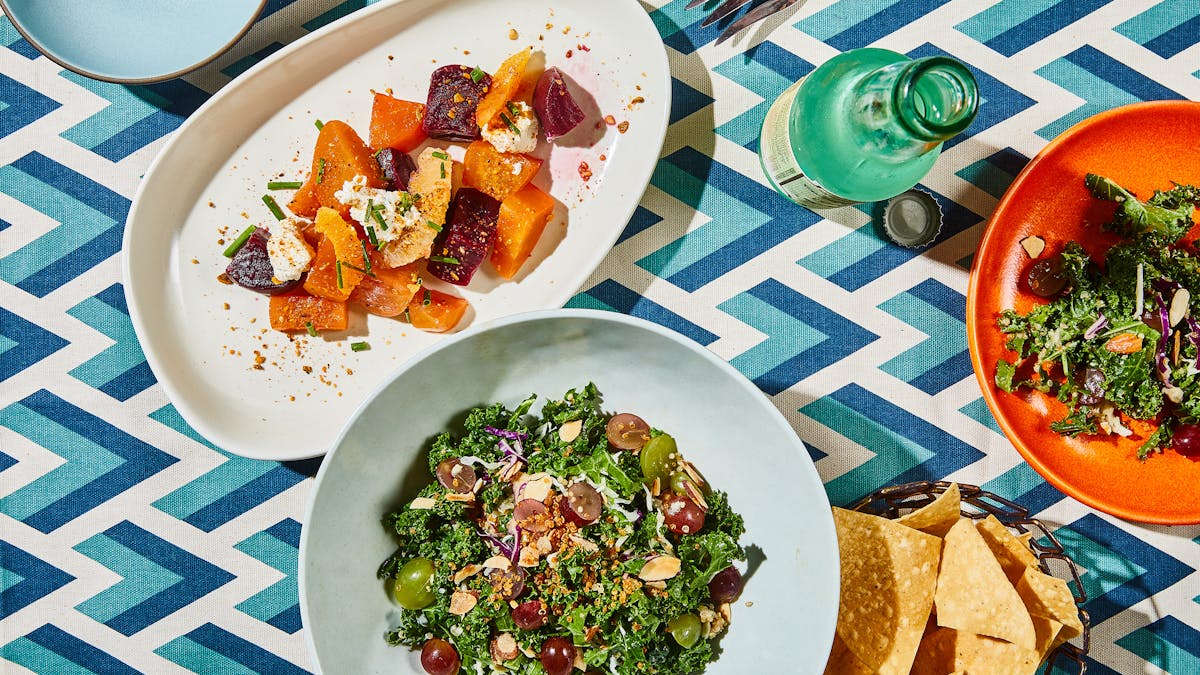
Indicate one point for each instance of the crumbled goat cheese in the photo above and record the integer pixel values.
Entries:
(505, 138)
(398, 210)
(289, 253)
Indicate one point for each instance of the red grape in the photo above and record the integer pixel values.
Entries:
(530, 515)
(680, 514)
(530, 615)
(508, 583)
(726, 585)
(582, 504)
(558, 656)
(627, 431)
(439, 657)
(1046, 277)
(1186, 440)
(454, 475)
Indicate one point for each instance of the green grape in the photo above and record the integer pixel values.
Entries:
(659, 457)
(412, 587)
(686, 629)
(679, 481)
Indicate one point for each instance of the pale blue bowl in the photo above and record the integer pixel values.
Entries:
(132, 41)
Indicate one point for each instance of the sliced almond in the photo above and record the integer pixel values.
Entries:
(694, 494)
(656, 487)
(462, 602)
(569, 431)
(543, 545)
(1033, 245)
(423, 503)
(460, 496)
(529, 556)
(504, 648)
(691, 471)
(660, 568)
(1179, 306)
(497, 562)
(585, 544)
(478, 484)
(535, 486)
(511, 472)
(656, 585)
(467, 572)
(726, 611)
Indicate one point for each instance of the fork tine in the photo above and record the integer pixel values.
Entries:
(725, 9)
(695, 3)
(757, 14)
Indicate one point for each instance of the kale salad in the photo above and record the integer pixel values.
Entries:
(1118, 340)
(567, 540)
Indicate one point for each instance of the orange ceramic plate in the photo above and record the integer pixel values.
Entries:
(1142, 147)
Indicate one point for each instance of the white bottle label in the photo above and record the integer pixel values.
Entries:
(779, 161)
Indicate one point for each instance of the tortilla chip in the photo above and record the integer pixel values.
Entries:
(1013, 555)
(1050, 598)
(842, 661)
(973, 593)
(1046, 631)
(948, 650)
(938, 516)
(888, 577)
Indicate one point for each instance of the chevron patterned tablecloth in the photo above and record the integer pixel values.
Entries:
(129, 544)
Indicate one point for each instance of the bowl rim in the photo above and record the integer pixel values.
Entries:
(152, 79)
(531, 317)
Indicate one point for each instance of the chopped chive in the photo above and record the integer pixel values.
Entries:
(420, 280)
(375, 155)
(507, 121)
(378, 216)
(274, 206)
(382, 245)
(239, 242)
(321, 171)
(284, 185)
(427, 299)
(356, 268)
(319, 124)
(406, 315)
(366, 258)
(440, 155)
(434, 225)
(338, 265)
(443, 168)
(372, 237)
(311, 330)
(477, 75)
(513, 109)
(444, 259)
(359, 346)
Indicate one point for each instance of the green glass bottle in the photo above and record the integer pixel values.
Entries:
(864, 126)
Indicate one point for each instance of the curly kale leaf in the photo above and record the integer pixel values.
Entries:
(1166, 217)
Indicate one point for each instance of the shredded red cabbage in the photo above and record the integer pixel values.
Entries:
(510, 452)
(505, 549)
(1095, 328)
(1160, 355)
(505, 433)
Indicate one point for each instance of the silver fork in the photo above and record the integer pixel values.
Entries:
(728, 7)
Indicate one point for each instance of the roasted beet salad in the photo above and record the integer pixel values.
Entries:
(567, 540)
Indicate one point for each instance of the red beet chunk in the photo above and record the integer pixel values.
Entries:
(453, 97)
(396, 166)
(251, 267)
(466, 238)
(557, 111)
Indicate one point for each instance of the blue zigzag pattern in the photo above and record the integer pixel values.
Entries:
(20, 105)
(803, 336)
(936, 310)
(1102, 82)
(23, 344)
(847, 24)
(232, 488)
(25, 579)
(9, 37)
(101, 461)
(1168, 643)
(91, 217)
(1012, 25)
(765, 69)
(279, 547)
(742, 226)
(158, 578)
(1166, 29)
(612, 296)
(902, 442)
(210, 649)
(49, 649)
(121, 370)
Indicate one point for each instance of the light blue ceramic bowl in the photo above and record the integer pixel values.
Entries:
(132, 41)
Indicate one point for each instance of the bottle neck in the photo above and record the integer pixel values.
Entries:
(904, 110)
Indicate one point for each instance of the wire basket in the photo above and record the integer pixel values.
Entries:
(897, 500)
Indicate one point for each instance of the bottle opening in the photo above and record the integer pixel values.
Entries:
(938, 97)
